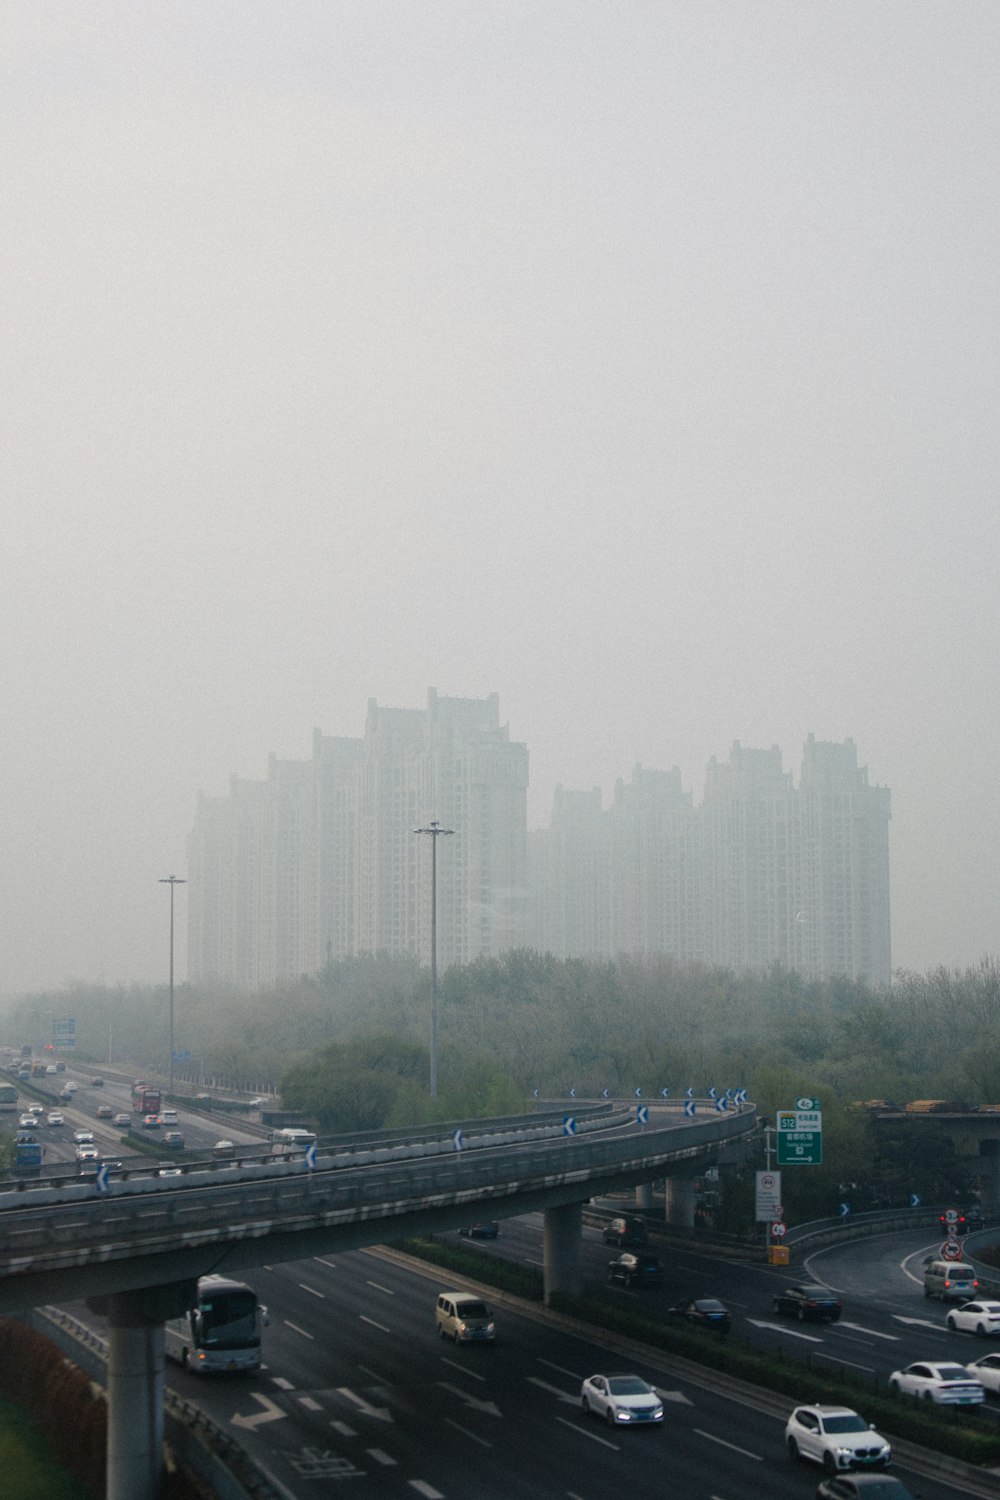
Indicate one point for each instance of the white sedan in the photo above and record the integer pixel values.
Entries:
(54, 1118)
(976, 1317)
(622, 1400)
(934, 1380)
(986, 1370)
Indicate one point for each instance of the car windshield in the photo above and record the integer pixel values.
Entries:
(709, 1304)
(813, 1291)
(951, 1372)
(627, 1385)
(849, 1422)
(473, 1310)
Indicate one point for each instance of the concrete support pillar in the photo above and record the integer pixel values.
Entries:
(563, 1250)
(989, 1177)
(644, 1197)
(135, 1385)
(135, 1413)
(680, 1202)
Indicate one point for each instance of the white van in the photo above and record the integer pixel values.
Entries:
(951, 1280)
(291, 1141)
(464, 1317)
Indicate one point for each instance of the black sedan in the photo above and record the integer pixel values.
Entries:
(805, 1301)
(704, 1312)
(487, 1229)
(636, 1269)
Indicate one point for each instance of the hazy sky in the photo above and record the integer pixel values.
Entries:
(637, 361)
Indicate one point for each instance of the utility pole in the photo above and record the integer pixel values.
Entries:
(171, 880)
(435, 831)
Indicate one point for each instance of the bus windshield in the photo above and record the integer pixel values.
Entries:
(228, 1320)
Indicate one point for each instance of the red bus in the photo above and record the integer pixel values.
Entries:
(145, 1100)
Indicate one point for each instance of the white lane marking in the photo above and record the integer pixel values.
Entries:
(792, 1333)
(380, 1288)
(872, 1333)
(331, 1264)
(466, 1433)
(374, 1376)
(382, 1412)
(282, 1383)
(594, 1437)
(757, 1457)
(380, 1326)
(381, 1458)
(678, 1397)
(423, 1488)
(469, 1374)
(296, 1329)
(312, 1290)
(919, 1322)
(309, 1403)
(833, 1360)
(559, 1369)
(271, 1413)
(343, 1429)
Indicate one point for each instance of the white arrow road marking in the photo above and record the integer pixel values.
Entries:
(678, 1397)
(780, 1328)
(381, 1412)
(873, 1333)
(485, 1406)
(271, 1413)
(919, 1322)
(553, 1390)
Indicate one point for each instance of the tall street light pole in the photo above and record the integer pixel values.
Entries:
(171, 880)
(435, 831)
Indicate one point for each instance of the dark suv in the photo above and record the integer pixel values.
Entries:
(807, 1300)
(625, 1231)
(636, 1270)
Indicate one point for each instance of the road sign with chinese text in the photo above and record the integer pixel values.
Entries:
(800, 1135)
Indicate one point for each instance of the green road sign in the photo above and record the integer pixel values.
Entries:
(800, 1137)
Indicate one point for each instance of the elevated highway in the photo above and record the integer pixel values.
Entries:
(137, 1250)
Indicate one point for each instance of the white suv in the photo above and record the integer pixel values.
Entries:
(836, 1437)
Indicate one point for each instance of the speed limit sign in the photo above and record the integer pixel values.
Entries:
(778, 1229)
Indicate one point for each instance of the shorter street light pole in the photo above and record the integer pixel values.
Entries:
(435, 831)
(170, 880)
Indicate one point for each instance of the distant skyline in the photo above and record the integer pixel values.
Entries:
(636, 362)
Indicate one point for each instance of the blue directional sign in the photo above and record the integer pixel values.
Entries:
(915, 1200)
(311, 1157)
(690, 1108)
(605, 1093)
(103, 1175)
(689, 1093)
(457, 1140)
(642, 1114)
(722, 1104)
(572, 1093)
(569, 1125)
(843, 1209)
(711, 1093)
(535, 1093)
(664, 1093)
(638, 1093)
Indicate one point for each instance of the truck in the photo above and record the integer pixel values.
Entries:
(145, 1100)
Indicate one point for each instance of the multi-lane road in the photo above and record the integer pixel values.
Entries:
(357, 1386)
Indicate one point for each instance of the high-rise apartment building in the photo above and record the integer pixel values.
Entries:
(760, 873)
(322, 861)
